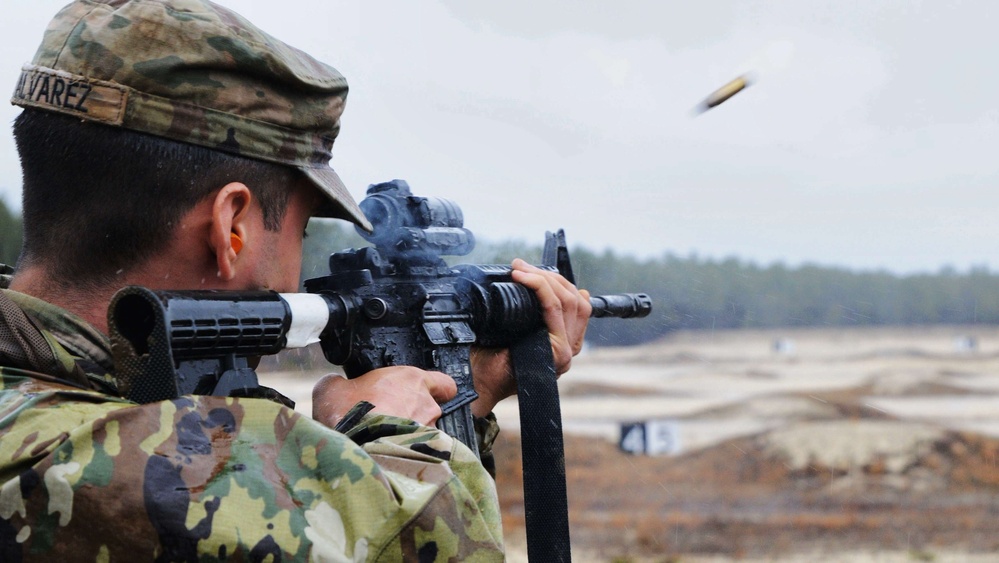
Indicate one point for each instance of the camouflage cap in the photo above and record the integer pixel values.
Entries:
(195, 72)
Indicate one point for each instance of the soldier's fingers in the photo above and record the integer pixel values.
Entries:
(565, 290)
(426, 412)
(554, 316)
(548, 295)
(567, 321)
(523, 265)
(441, 386)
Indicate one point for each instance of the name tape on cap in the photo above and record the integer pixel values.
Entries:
(53, 90)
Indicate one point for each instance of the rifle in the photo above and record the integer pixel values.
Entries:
(396, 303)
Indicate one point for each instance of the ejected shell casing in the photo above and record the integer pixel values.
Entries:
(722, 94)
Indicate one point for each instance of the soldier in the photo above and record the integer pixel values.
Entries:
(172, 144)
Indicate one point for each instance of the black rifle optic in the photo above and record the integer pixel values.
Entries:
(396, 303)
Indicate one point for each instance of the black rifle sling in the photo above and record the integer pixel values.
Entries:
(546, 509)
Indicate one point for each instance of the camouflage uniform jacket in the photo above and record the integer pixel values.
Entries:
(88, 476)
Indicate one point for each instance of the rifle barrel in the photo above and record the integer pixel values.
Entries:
(623, 305)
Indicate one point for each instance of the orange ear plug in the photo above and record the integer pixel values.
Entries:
(235, 242)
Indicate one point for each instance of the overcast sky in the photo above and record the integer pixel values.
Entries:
(868, 139)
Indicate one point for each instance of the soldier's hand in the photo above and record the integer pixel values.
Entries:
(566, 311)
(402, 391)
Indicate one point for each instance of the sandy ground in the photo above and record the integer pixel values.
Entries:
(721, 385)
(816, 401)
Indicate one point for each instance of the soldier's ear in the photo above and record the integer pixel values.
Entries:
(229, 227)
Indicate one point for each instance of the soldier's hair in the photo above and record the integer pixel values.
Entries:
(98, 200)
